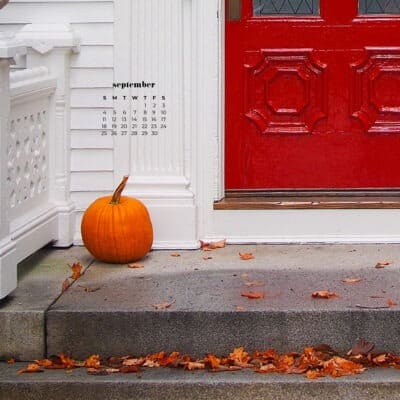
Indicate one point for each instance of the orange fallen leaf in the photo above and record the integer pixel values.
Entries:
(87, 289)
(212, 245)
(207, 258)
(175, 255)
(135, 265)
(31, 368)
(193, 365)
(352, 280)
(253, 295)
(66, 284)
(163, 306)
(129, 369)
(391, 303)
(213, 361)
(383, 264)
(246, 256)
(134, 361)
(11, 361)
(93, 361)
(239, 308)
(324, 294)
(254, 284)
(76, 270)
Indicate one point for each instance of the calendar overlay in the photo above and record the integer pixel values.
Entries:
(138, 111)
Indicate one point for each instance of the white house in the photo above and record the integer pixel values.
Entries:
(255, 121)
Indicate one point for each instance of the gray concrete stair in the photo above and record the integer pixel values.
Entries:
(110, 310)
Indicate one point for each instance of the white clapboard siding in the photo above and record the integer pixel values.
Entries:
(91, 77)
(83, 199)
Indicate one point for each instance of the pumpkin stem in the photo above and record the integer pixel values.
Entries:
(118, 191)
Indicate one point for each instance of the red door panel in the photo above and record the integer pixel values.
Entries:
(313, 102)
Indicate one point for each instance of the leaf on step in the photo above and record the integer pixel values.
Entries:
(239, 308)
(88, 289)
(31, 368)
(76, 270)
(212, 245)
(193, 365)
(383, 264)
(253, 295)
(163, 306)
(98, 371)
(254, 284)
(361, 346)
(11, 361)
(212, 361)
(246, 256)
(66, 284)
(93, 361)
(352, 280)
(134, 361)
(391, 303)
(135, 265)
(129, 369)
(175, 255)
(207, 258)
(324, 294)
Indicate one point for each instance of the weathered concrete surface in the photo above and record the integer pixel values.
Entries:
(169, 384)
(119, 317)
(22, 314)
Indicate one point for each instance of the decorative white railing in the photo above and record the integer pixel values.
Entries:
(35, 204)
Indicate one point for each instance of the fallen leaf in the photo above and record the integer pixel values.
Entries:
(66, 284)
(11, 361)
(213, 361)
(76, 270)
(163, 306)
(31, 368)
(93, 361)
(212, 245)
(193, 365)
(129, 369)
(97, 371)
(253, 295)
(136, 265)
(207, 258)
(239, 308)
(324, 294)
(254, 284)
(361, 346)
(88, 289)
(391, 303)
(383, 264)
(245, 276)
(175, 255)
(46, 363)
(246, 256)
(352, 280)
(134, 361)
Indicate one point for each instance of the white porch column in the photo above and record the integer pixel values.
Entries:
(51, 45)
(153, 55)
(9, 47)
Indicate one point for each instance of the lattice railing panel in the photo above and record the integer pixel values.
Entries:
(379, 6)
(285, 7)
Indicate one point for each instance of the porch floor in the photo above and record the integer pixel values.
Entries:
(110, 310)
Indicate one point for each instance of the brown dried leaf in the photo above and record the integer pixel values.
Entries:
(254, 284)
(383, 264)
(88, 289)
(93, 361)
(212, 245)
(11, 361)
(134, 361)
(129, 369)
(213, 361)
(362, 346)
(239, 308)
(175, 255)
(193, 365)
(76, 270)
(324, 294)
(98, 371)
(66, 284)
(163, 306)
(391, 303)
(352, 280)
(253, 295)
(207, 258)
(135, 265)
(31, 368)
(246, 256)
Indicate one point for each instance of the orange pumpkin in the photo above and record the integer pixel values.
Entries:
(117, 229)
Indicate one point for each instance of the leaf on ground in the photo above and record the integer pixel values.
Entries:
(391, 303)
(205, 246)
(88, 289)
(163, 306)
(93, 361)
(254, 284)
(76, 270)
(253, 295)
(129, 369)
(175, 255)
(98, 371)
(352, 280)
(239, 308)
(207, 258)
(11, 361)
(213, 361)
(246, 256)
(31, 368)
(135, 265)
(383, 264)
(66, 284)
(361, 346)
(324, 294)
(193, 365)
(134, 361)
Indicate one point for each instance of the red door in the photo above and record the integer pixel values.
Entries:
(313, 94)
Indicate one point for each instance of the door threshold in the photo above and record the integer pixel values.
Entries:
(309, 199)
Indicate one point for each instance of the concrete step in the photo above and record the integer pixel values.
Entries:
(209, 314)
(171, 384)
